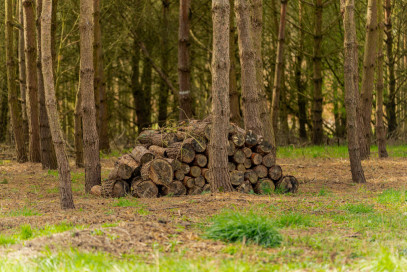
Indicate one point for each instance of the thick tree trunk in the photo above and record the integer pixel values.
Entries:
(218, 159)
(78, 130)
(235, 115)
(380, 128)
(301, 97)
(268, 132)
(100, 84)
(250, 94)
(48, 157)
(32, 84)
(366, 94)
(21, 69)
(278, 73)
(391, 99)
(63, 164)
(164, 90)
(90, 134)
(351, 90)
(185, 100)
(317, 107)
(15, 110)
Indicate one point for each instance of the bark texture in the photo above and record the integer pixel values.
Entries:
(32, 84)
(366, 94)
(63, 164)
(184, 69)
(90, 134)
(218, 159)
(351, 90)
(15, 110)
(164, 89)
(21, 70)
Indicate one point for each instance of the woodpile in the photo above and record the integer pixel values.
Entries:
(175, 163)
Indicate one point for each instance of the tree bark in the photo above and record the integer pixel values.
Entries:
(100, 84)
(185, 100)
(32, 83)
(380, 128)
(15, 110)
(279, 70)
(317, 107)
(90, 134)
(250, 94)
(78, 130)
(351, 91)
(366, 94)
(235, 116)
(218, 159)
(63, 164)
(391, 99)
(48, 156)
(164, 89)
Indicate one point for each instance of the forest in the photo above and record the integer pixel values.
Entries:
(206, 135)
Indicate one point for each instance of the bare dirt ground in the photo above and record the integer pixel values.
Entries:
(165, 222)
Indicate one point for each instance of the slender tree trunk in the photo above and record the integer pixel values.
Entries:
(250, 94)
(351, 90)
(100, 84)
(184, 71)
(278, 73)
(3, 116)
(366, 95)
(301, 98)
(63, 164)
(380, 128)
(218, 157)
(32, 84)
(90, 134)
(163, 93)
(144, 111)
(136, 87)
(22, 73)
(78, 131)
(391, 99)
(48, 157)
(235, 115)
(15, 110)
(317, 107)
(257, 31)
(53, 36)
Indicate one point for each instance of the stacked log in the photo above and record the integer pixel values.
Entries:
(175, 163)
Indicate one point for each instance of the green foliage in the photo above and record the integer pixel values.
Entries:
(5, 181)
(126, 202)
(6, 240)
(53, 173)
(293, 219)
(24, 211)
(359, 208)
(26, 232)
(266, 189)
(323, 192)
(252, 228)
(392, 196)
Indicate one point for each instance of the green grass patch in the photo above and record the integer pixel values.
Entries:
(392, 196)
(359, 208)
(126, 202)
(24, 211)
(7, 240)
(4, 181)
(249, 227)
(26, 232)
(294, 219)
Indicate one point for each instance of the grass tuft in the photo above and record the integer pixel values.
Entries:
(233, 226)
(359, 208)
(6, 240)
(392, 196)
(294, 220)
(24, 211)
(26, 232)
(126, 202)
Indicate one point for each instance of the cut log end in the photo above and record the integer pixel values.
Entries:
(144, 189)
(275, 172)
(287, 184)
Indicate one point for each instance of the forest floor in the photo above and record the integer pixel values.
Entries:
(330, 224)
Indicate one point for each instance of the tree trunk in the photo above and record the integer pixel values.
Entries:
(391, 99)
(380, 128)
(48, 157)
(21, 69)
(100, 84)
(351, 90)
(366, 94)
(164, 90)
(15, 110)
(268, 132)
(63, 164)
(78, 131)
(250, 94)
(135, 82)
(32, 84)
(278, 73)
(90, 134)
(317, 107)
(301, 97)
(235, 115)
(144, 110)
(218, 159)
(184, 70)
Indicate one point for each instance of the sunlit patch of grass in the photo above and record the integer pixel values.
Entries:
(249, 227)
(53, 173)
(392, 196)
(359, 208)
(6, 240)
(109, 225)
(126, 202)
(26, 232)
(294, 219)
(24, 211)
